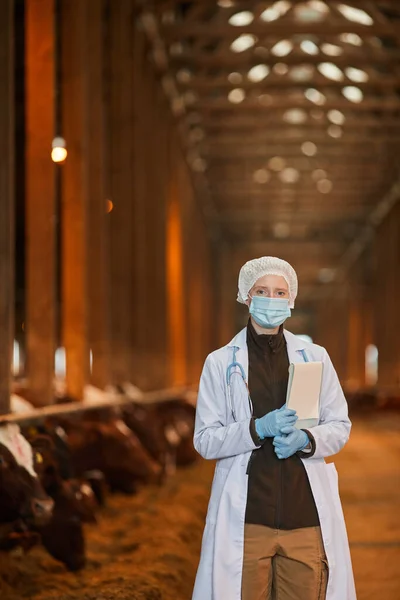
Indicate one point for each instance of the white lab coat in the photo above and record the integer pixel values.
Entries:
(219, 436)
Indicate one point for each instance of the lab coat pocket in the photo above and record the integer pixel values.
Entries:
(218, 484)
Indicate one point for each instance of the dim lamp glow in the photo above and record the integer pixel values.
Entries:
(59, 150)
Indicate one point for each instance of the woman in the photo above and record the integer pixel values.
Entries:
(274, 526)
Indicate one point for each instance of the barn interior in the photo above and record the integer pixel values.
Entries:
(149, 148)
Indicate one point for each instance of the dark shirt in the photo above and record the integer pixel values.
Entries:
(279, 493)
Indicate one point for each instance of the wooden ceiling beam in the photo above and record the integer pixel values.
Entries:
(259, 216)
(324, 139)
(272, 126)
(355, 152)
(284, 102)
(231, 61)
(283, 28)
(205, 84)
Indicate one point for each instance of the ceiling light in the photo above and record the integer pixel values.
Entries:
(357, 15)
(319, 5)
(336, 117)
(276, 163)
(353, 93)
(241, 19)
(199, 165)
(235, 78)
(258, 73)
(243, 42)
(356, 75)
(176, 49)
(184, 75)
(261, 176)
(311, 12)
(302, 72)
(289, 175)
(236, 96)
(335, 131)
(324, 186)
(282, 48)
(295, 116)
(332, 49)
(326, 275)
(318, 174)
(315, 96)
(330, 71)
(190, 97)
(309, 47)
(281, 230)
(309, 148)
(59, 150)
(280, 68)
(351, 38)
(274, 12)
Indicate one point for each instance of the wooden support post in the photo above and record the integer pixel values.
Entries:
(97, 238)
(40, 205)
(121, 188)
(332, 331)
(357, 335)
(175, 288)
(140, 243)
(386, 299)
(74, 198)
(6, 199)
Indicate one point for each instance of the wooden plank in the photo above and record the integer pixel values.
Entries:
(6, 199)
(40, 200)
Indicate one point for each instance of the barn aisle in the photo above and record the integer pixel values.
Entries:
(146, 547)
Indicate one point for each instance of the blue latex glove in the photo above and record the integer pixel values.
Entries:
(272, 423)
(287, 445)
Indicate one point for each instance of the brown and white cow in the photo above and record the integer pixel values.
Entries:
(23, 500)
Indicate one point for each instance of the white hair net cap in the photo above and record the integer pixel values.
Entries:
(266, 265)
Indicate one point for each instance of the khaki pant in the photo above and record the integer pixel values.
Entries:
(283, 565)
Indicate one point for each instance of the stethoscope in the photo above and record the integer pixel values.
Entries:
(235, 368)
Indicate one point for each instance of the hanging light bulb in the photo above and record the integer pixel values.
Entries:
(59, 150)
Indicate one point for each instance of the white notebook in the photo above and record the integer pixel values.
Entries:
(303, 392)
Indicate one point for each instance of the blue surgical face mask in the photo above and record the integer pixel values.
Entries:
(269, 312)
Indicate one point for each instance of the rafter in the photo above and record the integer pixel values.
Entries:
(282, 28)
(323, 139)
(273, 82)
(284, 102)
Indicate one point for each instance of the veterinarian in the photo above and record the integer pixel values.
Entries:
(274, 528)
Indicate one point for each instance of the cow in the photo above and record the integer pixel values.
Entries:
(177, 417)
(23, 500)
(99, 440)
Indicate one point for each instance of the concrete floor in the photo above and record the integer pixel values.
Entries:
(369, 477)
